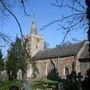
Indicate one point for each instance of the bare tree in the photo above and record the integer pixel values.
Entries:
(77, 17)
(73, 19)
(6, 9)
(80, 17)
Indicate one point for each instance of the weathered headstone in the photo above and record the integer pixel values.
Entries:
(19, 74)
(29, 71)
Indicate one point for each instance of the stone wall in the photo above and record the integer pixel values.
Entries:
(46, 65)
(65, 63)
(84, 66)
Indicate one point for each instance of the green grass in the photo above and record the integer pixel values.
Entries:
(6, 84)
(44, 84)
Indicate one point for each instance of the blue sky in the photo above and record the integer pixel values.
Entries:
(44, 14)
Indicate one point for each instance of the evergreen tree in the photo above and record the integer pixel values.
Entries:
(16, 59)
(1, 62)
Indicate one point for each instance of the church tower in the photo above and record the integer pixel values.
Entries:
(35, 41)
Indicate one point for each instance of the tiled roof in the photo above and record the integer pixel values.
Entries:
(62, 51)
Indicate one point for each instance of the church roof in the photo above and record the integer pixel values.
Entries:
(62, 51)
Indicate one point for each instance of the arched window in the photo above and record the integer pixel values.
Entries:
(73, 66)
(66, 71)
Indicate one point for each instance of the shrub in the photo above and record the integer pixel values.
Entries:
(6, 84)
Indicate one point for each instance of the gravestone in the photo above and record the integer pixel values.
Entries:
(19, 74)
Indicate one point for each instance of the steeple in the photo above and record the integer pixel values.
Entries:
(35, 41)
(33, 27)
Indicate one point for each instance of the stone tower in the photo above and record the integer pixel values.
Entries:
(35, 41)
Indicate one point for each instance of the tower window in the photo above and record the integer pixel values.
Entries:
(36, 46)
(66, 71)
(37, 42)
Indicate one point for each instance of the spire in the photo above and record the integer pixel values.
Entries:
(33, 27)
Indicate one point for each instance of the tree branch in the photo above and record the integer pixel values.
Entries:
(13, 16)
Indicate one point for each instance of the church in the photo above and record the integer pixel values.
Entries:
(64, 59)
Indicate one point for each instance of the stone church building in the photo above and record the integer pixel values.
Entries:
(63, 58)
